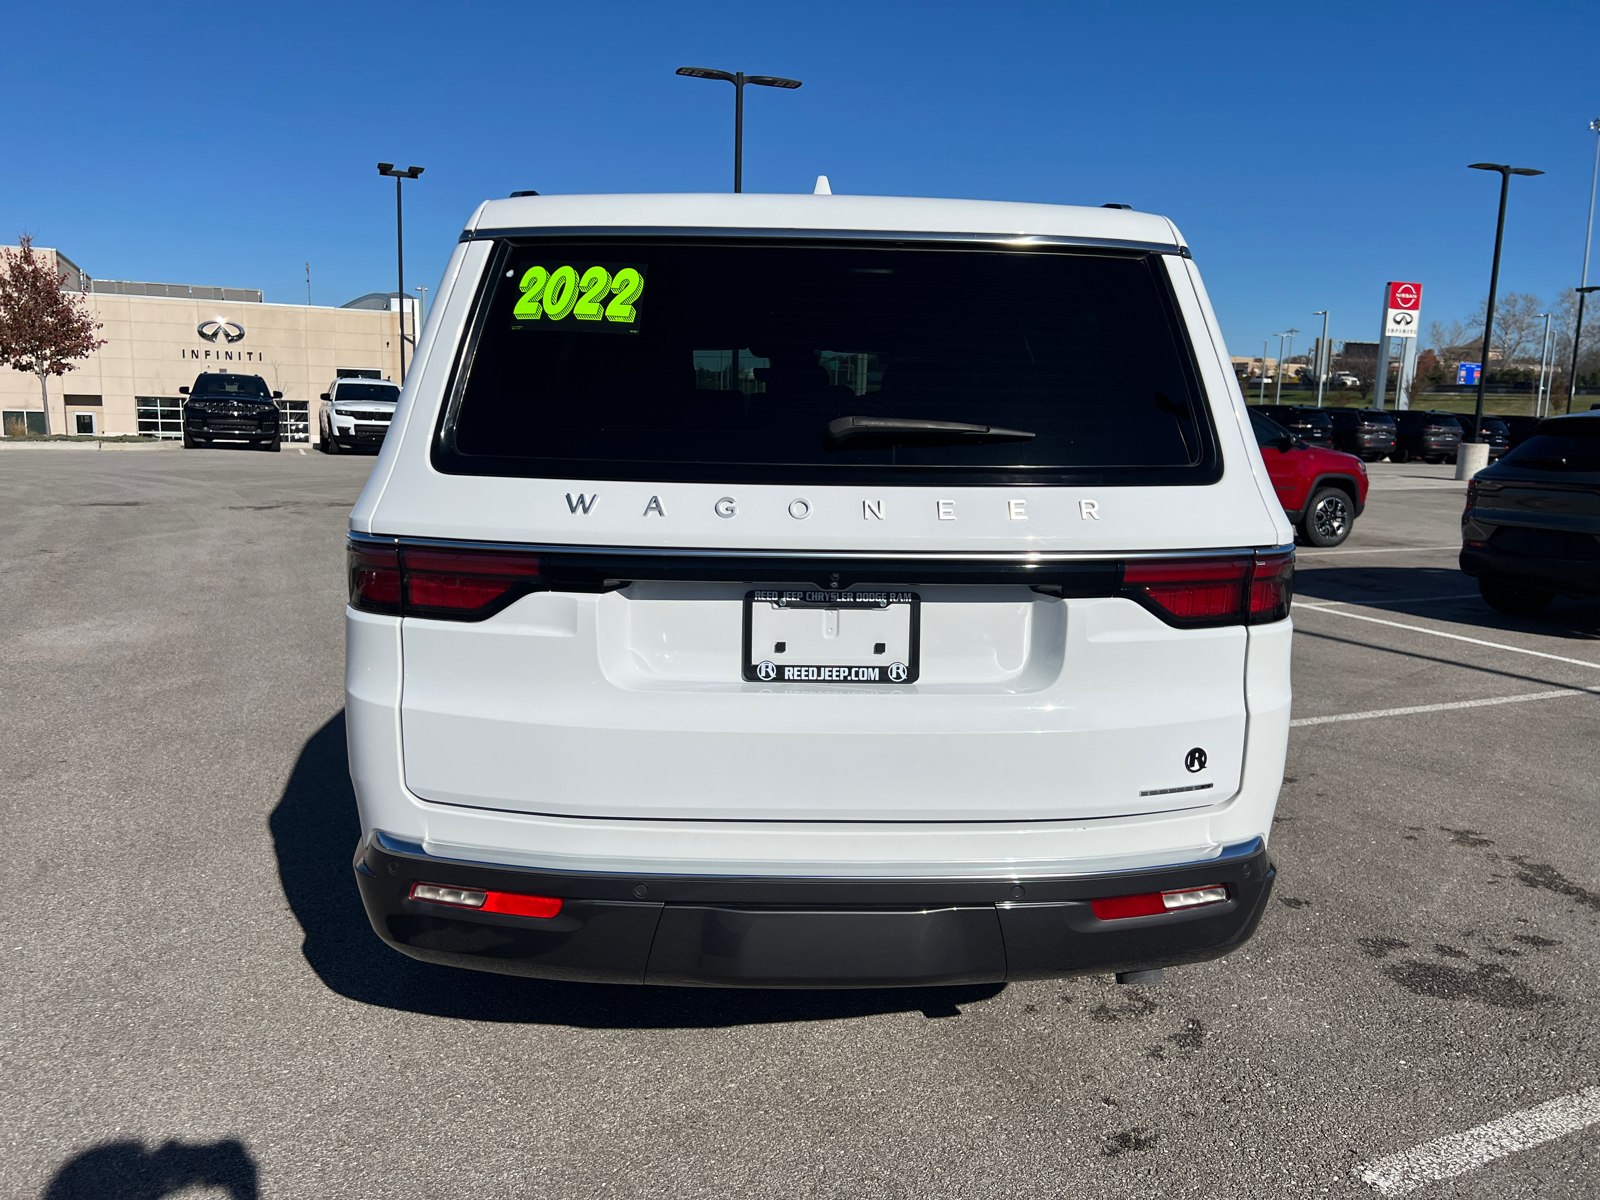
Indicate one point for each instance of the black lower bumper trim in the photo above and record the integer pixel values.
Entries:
(1570, 577)
(784, 933)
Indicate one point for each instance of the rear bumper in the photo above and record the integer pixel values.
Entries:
(769, 932)
(1568, 576)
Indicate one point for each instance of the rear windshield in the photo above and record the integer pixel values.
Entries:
(765, 362)
(1560, 446)
(250, 386)
(368, 391)
(1413, 420)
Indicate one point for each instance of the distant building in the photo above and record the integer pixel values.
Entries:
(159, 336)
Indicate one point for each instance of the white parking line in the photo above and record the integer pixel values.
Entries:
(1428, 708)
(1390, 603)
(1454, 637)
(1447, 1157)
(1375, 550)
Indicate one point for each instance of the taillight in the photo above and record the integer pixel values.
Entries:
(374, 578)
(465, 583)
(445, 583)
(1472, 496)
(1199, 592)
(514, 904)
(1149, 904)
(1271, 588)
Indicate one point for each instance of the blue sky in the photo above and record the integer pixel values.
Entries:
(1309, 153)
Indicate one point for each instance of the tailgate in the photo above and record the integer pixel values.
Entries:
(634, 703)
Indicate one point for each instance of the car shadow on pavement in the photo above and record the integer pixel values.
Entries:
(315, 830)
(1442, 592)
(128, 1171)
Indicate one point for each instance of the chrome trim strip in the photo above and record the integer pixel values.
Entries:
(981, 556)
(1230, 853)
(1016, 240)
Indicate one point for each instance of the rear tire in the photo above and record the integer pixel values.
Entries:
(1514, 600)
(1329, 517)
(1399, 455)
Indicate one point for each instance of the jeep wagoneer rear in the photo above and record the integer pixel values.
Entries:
(828, 591)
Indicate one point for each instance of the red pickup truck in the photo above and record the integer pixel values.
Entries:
(1323, 491)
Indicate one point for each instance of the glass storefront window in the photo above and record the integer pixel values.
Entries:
(160, 416)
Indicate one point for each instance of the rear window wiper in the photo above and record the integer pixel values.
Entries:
(912, 431)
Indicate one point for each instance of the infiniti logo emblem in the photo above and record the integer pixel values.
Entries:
(231, 330)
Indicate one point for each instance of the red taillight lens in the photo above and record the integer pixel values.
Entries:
(375, 578)
(459, 582)
(1198, 592)
(1149, 904)
(445, 584)
(1271, 588)
(482, 900)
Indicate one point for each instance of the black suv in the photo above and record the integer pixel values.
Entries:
(1531, 528)
(1368, 433)
(1426, 436)
(231, 408)
(1495, 431)
(1308, 424)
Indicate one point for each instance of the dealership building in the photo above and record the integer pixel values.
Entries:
(159, 336)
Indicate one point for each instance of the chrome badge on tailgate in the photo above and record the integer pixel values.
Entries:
(806, 636)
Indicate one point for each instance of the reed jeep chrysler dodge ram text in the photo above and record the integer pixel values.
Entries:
(817, 591)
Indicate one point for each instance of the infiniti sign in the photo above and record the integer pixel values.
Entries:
(231, 330)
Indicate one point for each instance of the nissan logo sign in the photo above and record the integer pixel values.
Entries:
(231, 330)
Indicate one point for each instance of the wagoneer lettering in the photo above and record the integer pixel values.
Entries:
(943, 715)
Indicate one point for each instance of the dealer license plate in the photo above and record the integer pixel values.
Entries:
(804, 636)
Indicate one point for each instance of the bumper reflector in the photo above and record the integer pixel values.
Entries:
(1149, 904)
(511, 903)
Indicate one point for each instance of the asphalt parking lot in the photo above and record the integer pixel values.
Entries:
(192, 1002)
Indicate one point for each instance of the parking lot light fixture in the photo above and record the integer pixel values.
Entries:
(1583, 279)
(1494, 278)
(739, 79)
(1544, 362)
(400, 249)
(1322, 356)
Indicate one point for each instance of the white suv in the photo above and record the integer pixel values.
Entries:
(355, 414)
(817, 591)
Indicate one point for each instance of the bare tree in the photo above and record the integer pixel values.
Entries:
(1517, 329)
(42, 328)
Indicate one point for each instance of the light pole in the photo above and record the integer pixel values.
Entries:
(1544, 357)
(1286, 358)
(422, 308)
(1277, 379)
(1577, 333)
(1261, 393)
(1494, 279)
(1577, 336)
(400, 250)
(739, 79)
(1322, 355)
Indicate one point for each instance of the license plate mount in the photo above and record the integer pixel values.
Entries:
(815, 636)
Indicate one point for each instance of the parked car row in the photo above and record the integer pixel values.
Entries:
(1412, 435)
(224, 407)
